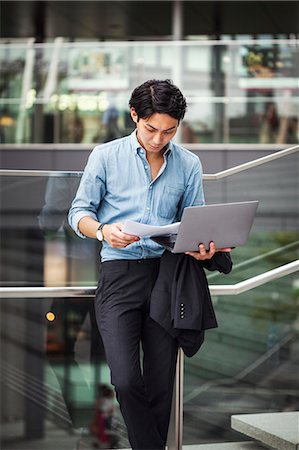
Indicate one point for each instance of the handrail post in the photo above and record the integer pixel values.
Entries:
(175, 432)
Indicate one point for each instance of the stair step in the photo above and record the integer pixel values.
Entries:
(278, 430)
(246, 445)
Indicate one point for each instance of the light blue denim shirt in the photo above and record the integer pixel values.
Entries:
(117, 185)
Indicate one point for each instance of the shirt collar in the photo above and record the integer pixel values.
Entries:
(134, 141)
(136, 146)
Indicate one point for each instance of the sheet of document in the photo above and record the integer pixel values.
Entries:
(143, 229)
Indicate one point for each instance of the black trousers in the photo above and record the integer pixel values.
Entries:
(143, 390)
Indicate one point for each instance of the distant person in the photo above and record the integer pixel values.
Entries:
(269, 124)
(102, 426)
(288, 130)
(292, 131)
(188, 134)
(105, 404)
(110, 123)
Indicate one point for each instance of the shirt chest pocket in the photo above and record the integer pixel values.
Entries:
(169, 201)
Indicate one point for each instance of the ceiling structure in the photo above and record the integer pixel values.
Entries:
(123, 20)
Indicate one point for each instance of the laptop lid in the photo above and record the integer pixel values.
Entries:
(227, 224)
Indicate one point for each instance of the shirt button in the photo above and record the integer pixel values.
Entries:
(148, 208)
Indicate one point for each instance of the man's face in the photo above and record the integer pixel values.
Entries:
(155, 132)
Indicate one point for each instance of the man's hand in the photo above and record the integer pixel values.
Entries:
(115, 237)
(203, 254)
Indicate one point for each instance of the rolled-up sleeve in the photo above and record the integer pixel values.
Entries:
(91, 190)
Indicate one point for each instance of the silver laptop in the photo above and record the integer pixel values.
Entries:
(227, 224)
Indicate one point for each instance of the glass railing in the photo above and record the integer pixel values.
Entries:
(237, 91)
(274, 236)
(248, 365)
(54, 377)
(54, 372)
(34, 222)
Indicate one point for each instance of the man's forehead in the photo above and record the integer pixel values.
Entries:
(161, 122)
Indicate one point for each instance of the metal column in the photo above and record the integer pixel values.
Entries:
(175, 432)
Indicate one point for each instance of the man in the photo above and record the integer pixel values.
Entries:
(147, 178)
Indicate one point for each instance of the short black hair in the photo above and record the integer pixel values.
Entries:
(158, 96)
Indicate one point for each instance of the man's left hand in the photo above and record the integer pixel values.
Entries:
(204, 254)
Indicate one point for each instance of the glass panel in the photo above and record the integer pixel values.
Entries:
(52, 368)
(38, 248)
(262, 88)
(34, 223)
(274, 237)
(62, 92)
(200, 124)
(12, 63)
(247, 365)
(55, 383)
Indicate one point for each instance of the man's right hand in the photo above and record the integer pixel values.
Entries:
(116, 238)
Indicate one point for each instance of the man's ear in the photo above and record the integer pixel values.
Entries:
(134, 115)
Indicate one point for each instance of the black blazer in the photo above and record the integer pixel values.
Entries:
(181, 301)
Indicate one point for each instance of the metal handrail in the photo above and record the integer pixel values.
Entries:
(161, 43)
(40, 173)
(195, 146)
(89, 291)
(207, 177)
(256, 281)
(251, 261)
(254, 163)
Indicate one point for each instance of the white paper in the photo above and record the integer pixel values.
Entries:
(143, 229)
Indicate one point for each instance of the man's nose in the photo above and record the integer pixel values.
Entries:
(158, 138)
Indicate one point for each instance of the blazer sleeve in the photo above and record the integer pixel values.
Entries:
(221, 261)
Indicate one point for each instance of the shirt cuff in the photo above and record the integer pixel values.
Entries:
(76, 219)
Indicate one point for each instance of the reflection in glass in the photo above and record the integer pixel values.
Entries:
(249, 365)
(52, 356)
(55, 379)
(229, 88)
